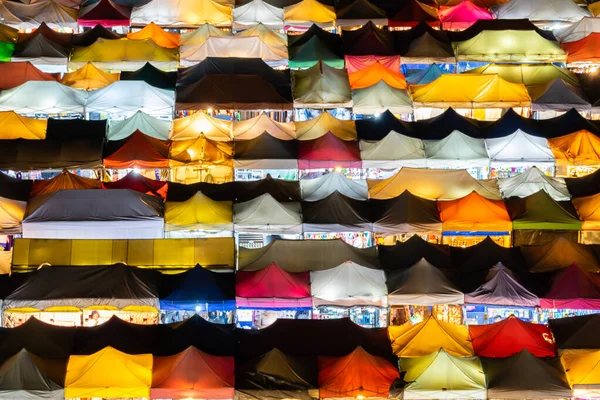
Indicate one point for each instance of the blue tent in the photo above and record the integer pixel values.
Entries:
(426, 75)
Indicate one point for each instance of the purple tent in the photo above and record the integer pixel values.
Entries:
(574, 288)
(502, 289)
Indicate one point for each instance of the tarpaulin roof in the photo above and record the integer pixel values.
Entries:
(380, 97)
(15, 126)
(525, 375)
(424, 76)
(202, 33)
(532, 181)
(257, 12)
(323, 186)
(41, 47)
(557, 95)
(585, 185)
(182, 13)
(456, 150)
(43, 97)
(527, 74)
(368, 40)
(518, 148)
(377, 128)
(313, 46)
(405, 213)
(50, 12)
(432, 184)
(127, 97)
(559, 254)
(462, 15)
(88, 37)
(477, 260)
(109, 373)
(588, 209)
(540, 211)
(11, 215)
(356, 63)
(17, 73)
(158, 35)
(39, 338)
(63, 39)
(254, 127)
(582, 369)
(152, 76)
(305, 255)
(573, 288)
(421, 284)
(394, 150)
(429, 336)
(476, 91)
(64, 180)
(307, 12)
(336, 213)
(201, 151)
(576, 332)
(321, 86)
(348, 285)
(88, 77)
(265, 214)
(104, 12)
(461, 377)
(15, 189)
(273, 287)
(214, 339)
(199, 213)
(444, 124)
(474, 213)
(323, 124)
(583, 50)
(359, 12)
(408, 14)
(200, 123)
(356, 374)
(577, 30)
(25, 375)
(578, 148)
(140, 121)
(137, 151)
(328, 151)
(549, 10)
(140, 184)
(265, 146)
(192, 373)
(423, 45)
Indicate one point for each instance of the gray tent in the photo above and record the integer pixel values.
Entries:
(26, 376)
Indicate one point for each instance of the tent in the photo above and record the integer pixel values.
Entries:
(14, 126)
(557, 95)
(368, 40)
(356, 374)
(404, 255)
(587, 209)
(213, 339)
(305, 255)
(88, 77)
(137, 151)
(63, 181)
(266, 152)
(348, 285)
(519, 149)
(541, 11)
(582, 52)
(94, 214)
(323, 186)
(280, 189)
(201, 151)
(105, 13)
(359, 13)
(51, 12)
(379, 98)
(25, 375)
(580, 148)
(356, 63)
(476, 91)
(315, 45)
(583, 186)
(88, 37)
(323, 124)
(527, 74)
(462, 378)
(456, 151)
(336, 213)
(328, 151)
(182, 13)
(321, 86)
(425, 76)
(308, 12)
(524, 375)
(140, 184)
(559, 254)
(462, 15)
(264, 214)
(45, 97)
(441, 126)
(577, 30)
(376, 128)
(532, 181)
(128, 97)
(406, 213)
(199, 213)
(109, 373)
(575, 332)
(42, 339)
(124, 55)
(581, 367)
(11, 215)
(13, 188)
(408, 14)
(202, 33)
(140, 121)
(479, 261)
(48, 51)
(257, 12)
(393, 151)
(192, 373)
(254, 127)
(511, 336)
(432, 184)
(200, 123)
(17, 73)
(152, 76)
(474, 213)
(430, 336)
(539, 211)
(573, 288)
(272, 287)
(11, 20)
(421, 284)
(158, 35)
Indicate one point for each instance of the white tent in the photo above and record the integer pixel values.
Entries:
(421, 284)
(34, 13)
(456, 151)
(182, 13)
(348, 285)
(127, 97)
(323, 186)
(519, 149)
(379, 98)
(578, 30)
(202, 33)
(532, 181)
(47, 97)
(257, 12)
(11, 215)
(150, 126)
(8, 18)
(264, 214)
(541, 10)
(393, 151)
(254, 127)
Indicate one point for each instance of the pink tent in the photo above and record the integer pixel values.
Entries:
(328, 151)
(462, 15)
(272, 287)
(574, 288)
(356, 63)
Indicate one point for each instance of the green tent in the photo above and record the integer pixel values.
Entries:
(315, 45)
(6, 51)
(539, 211)
(527, 74)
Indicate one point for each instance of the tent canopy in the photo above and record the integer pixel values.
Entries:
(182, 13)
(558, 254)
(25, 375)
(462, 15)
(359, 13)
(158, 35)
(321, 86)
(527, 74)
(47, 97)
(257, 12)
(578, 148)
(64, 180)
(557, 95)
(199, 213)
(315, 45)
(11, 215)
(577, 30)
(584, 186)
(88, 37)
(336, 213)
(519, 148)
(254, 127)
(267, 147)
(541, 11)
(200, 123)
(378, 128)
(52, 13)
(13, 74)
(323, 186)
(137, 151)
(406, 254)
(265, 214)
(532, 181)
(394, 150)
(140, 121)
(88, 77)
(105, 13)
(374, 73)
(14, 126)
(576, 332)
(405, 213)
(328, 151)
(368, 40)
(315, 128)
(308, 12)
(588, 209)
(380, 97)
(425, 76)
(581, 367)
(140, 184)
(540, 211)
(456, 150)
(474, 213)
(128, 97)
(573, 288)
(152, 76)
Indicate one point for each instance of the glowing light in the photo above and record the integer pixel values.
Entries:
(198, 308)
(377, 115)
(360, 397)
(338, 169)
(136, 170)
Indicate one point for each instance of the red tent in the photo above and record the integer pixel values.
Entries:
(511, 336)
(139, 183)
(13, 74)
(328, 151)
(105, 13)
(192, 374)
(138, 151)
(359, 374)
(273, 287)
(462, 15)
(573, 288)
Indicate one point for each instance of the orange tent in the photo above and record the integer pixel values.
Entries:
(358, 374)
(586, 50)
(578, 148)
(65, 180)
(375, 73)
(138, 151)
(588, 209)
(158, 35)
(474, 213)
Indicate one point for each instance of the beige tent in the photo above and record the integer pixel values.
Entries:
(317, 127)
(254, 127)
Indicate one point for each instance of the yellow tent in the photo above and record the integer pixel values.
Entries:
(269, 37)
(317, 127)
(109, 373)
(430, 336)
(15, 126)
(201, 150)
(470, 91)
(199, 213)
(201, 34)
(307, 12)
(583, 371)
(594, 8)
(200, 123)
(254, 127)
(578, 149)
(588, 209)
(158, 35)
(88, 77)
(11, 215)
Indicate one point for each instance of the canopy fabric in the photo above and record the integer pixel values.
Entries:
(456, 150)
(502, 290)
(379, 98)
(332, 84)
(368, 40)
(377, 128)
(357, 63)
(158, 35)
(527, 74)
(323, 124)
(308, 12)
(254, 127)
(462, 377)
(13, 188)
(421, 284)
(540, 211)
(137, 151)
(192, 374)
(375, 73)
(276, 41)
(470, 91)
(432, 185)
(336, 213)
(200, 123)
(320, 188)
(558, 95)
(315, 45)
(273, 287)
(577, 30)
(583, 51)
(266, 152)
(583, 186)
(11, 215)
(428, 337)
(105, 13)
(481, 262)
(328, 151)
(14, 126)
(201, 34)
(581, 367)
(182, 13)
(519, 148)
(63, 181)
(474, 213)
(199, 213)
(152, 76)
(201, 151)
(551, 11)
(441, 126)
(532, 181)
(88, 77)
(573, 288)
(588, 209)
(575, 332)
(578, 148)
(511, 336)
(31, 15)
(462, 15)
(140, 184)
(90, 36)
(27, 376)
(524, 375)
(393, 151)
(42, 50)
(348, 285)
(405, 213)
(257, 12)
(109, 373)
(265, 214)
(425, 76)
(559, 254)
(359, 13)
(140, 121)
(128, 97)
(13, 74)
(43, 97)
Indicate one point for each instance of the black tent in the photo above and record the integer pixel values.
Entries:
(406, 13)
(569, 122)
(39, 338)
(509, 123)
(439, 127)
(313, 45)
(405, 213)
(358, 10)
(40, 46)
(588, 185)
(336, 213)
(576, 332)
(26, 376)
(368, 40)
(378, 127)
(266, 147)
(214, 339)
(14, 189)
(406, 254)
(152, 76)
(499, 25)
(590, 84)
(88, 37)
(215, 191)
(62, 39)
